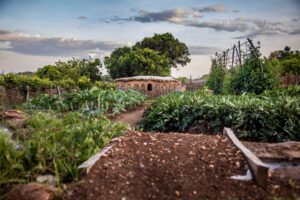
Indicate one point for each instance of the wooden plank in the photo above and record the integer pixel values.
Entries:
(257, 167)
(87, 165)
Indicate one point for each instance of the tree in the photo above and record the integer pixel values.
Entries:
(49, 71)
(125, 63)
(216, 76)
(177, 52)
(116, 65)
(152, 56)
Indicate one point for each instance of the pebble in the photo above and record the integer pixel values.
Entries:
(177, 193)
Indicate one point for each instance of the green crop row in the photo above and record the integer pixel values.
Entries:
(253, 117)
(92, 102)
(54, 145)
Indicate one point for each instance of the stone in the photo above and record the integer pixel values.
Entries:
(47, 179)
(32, 191)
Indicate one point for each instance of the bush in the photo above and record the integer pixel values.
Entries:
(84, 82)
(105, 85)
(261, 118)
(216, 77)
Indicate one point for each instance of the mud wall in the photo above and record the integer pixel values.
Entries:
(150, 87)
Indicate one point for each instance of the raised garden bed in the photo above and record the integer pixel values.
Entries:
(174, 166)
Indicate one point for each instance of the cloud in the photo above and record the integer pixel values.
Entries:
(203, 50)
(236, 11)
(213, 8)
(294, 20)
(295, 31)
(82, 17)
(51, 46)
(4, 32)
(221, 25)
(176, 15)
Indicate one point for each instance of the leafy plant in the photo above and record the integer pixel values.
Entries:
(92, 102)
(253, 117)
(56, 145)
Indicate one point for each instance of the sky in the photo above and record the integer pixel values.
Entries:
(34, 33)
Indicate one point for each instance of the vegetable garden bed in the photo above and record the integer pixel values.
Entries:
(174, 166)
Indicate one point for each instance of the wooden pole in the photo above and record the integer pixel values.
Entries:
(233, 50)
(239, 53)
(58, 91)
(27, 95)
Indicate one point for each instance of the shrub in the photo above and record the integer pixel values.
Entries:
(84, 82)
(216, 77)
(105, 85)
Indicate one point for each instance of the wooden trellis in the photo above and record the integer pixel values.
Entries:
(236, 55)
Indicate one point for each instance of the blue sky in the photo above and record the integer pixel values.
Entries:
(34, 33)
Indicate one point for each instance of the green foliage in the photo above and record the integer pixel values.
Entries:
(254, 76)
(290, 60)
(152, 56)
(77, 68)
(84, 82)
(253, 117)
(177, 52)
(133, 62)
(105, 85)
(216, 77)
(115, 63)
(90, 102)
(56, 145)
(183, 79)
(22, 81)
(50, 72)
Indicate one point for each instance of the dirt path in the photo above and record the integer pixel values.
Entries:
(173, 166)
(132, 117)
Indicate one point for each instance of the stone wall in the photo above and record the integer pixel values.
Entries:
(152, 88)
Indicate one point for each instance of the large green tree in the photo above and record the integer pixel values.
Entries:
(126, 62)
(177, 52)
(152, 56)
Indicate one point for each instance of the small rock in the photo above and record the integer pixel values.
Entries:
(32, 191)
(47, 179)
(177, 193)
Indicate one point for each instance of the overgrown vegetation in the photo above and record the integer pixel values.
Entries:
(91, 102)
(55, 145)
(253, 117)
